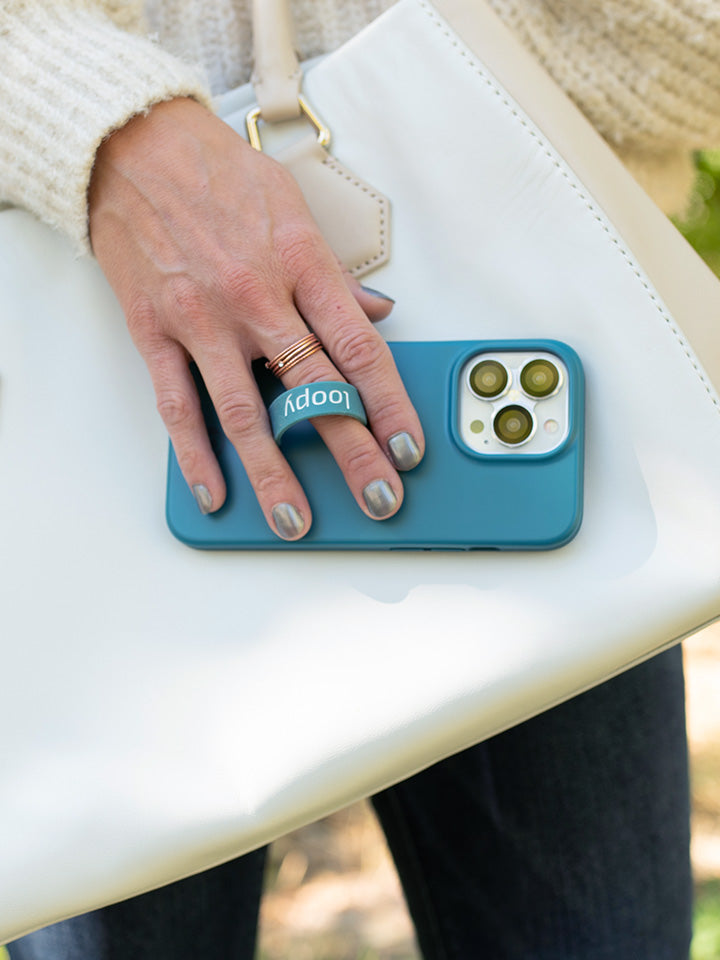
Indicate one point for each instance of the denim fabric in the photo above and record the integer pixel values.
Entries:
(566, 838)
(212, 916)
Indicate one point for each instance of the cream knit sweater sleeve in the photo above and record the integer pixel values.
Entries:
(645, 72)
(71, 71)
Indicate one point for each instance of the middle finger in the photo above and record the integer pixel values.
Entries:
(368, 471)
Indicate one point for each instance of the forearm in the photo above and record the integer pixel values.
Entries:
(70, 75)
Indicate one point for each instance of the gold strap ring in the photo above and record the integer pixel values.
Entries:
(254, 116)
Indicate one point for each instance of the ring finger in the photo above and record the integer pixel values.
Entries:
(369, 474)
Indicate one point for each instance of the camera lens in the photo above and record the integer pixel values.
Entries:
(513, 424)
(539, 378)
(488, 378)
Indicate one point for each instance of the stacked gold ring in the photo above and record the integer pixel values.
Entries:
(293, 354)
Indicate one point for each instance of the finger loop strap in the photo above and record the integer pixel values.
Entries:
(323, 399)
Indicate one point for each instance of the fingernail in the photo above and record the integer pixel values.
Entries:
(288, 520)
(376, 293)
(380, 499)
(404, 452)
(203, 498)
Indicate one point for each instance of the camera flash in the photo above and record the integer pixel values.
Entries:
(551, 426)
(477, 426)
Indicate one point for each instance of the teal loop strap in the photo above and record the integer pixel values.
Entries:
(325, 399)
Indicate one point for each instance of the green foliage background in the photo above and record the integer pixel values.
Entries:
(701, 223)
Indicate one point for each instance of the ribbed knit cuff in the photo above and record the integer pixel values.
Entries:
(70, 77)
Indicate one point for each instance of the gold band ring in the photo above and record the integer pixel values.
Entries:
(293, 354)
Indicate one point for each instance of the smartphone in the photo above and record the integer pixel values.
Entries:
(503, 469)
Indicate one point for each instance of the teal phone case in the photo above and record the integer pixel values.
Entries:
(455, 499)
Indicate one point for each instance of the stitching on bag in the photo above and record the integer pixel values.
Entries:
(336, 167)
(470, 60)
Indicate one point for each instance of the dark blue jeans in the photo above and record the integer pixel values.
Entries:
(565, 838)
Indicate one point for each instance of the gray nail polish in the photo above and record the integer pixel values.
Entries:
(203, 498)
(376, 293)
(380, 499)
(404, 452)
(288, 520)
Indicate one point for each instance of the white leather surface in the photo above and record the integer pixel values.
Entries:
(163, 709)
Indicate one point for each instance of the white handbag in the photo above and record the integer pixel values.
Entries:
(163, 709)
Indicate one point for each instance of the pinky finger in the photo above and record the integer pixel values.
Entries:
(178, 404)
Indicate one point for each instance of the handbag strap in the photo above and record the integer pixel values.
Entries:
(336, 196)
(277, 74)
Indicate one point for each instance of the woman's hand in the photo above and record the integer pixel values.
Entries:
(214, 256)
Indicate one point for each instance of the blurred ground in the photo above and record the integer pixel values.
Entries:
(333, 893)
(702, 670)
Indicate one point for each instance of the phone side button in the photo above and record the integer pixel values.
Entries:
(430, 549)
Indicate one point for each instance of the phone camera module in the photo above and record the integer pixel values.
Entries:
(513, 425)
(540, 378)
(489, 378)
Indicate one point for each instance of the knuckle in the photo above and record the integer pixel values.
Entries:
(184, 297)
(299, 250)
(390, 409)
(142, 320)
(268, 481)
(361, 459)
(191, 463)
(176, 409)
(239, 414)
(245, 284)
(358, 351)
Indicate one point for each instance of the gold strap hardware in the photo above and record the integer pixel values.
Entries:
(252, 118)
